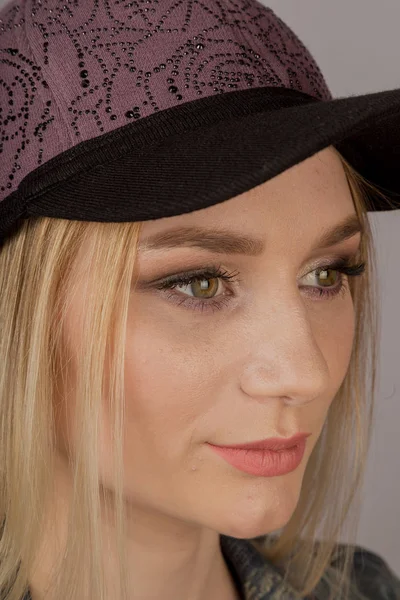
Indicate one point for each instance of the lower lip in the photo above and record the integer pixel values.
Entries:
(263, 463)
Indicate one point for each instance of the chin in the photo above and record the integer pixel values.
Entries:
(259, 512)
(252, 529)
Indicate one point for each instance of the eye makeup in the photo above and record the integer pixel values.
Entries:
(197, 297)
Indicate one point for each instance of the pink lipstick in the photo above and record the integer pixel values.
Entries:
(265, 458)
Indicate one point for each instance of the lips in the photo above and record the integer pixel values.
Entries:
(266, 458)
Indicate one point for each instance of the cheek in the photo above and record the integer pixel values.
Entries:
(335, 332)
(168, 388)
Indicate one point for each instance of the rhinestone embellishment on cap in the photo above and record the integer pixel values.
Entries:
(74, 70)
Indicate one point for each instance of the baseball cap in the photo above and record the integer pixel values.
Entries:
(141, 110)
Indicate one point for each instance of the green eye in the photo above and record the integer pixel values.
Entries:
(329, 276)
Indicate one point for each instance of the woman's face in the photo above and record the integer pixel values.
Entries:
(230, 362)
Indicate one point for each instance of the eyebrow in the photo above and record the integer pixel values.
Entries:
(225, 241)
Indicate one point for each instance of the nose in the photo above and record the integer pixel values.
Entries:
(282, 357)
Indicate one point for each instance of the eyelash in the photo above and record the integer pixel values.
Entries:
(342, 265)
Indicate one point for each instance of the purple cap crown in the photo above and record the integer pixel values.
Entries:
(72, 70)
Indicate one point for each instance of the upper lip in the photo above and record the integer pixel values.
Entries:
(270, 443)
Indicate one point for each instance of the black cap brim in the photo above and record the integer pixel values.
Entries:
(201, 153)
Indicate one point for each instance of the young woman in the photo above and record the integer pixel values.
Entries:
(187, 305)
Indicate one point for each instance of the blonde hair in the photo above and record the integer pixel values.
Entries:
(36, 269)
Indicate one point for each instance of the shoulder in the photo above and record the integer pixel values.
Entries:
(371, 574)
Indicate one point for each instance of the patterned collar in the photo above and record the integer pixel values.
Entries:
(256, 577)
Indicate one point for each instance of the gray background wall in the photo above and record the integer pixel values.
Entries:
(357, 45)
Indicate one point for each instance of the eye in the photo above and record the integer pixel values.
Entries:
(201, 288)
(328, 277)
(204, 289)
(334, 277)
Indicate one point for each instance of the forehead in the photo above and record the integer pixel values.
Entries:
(304, 199)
